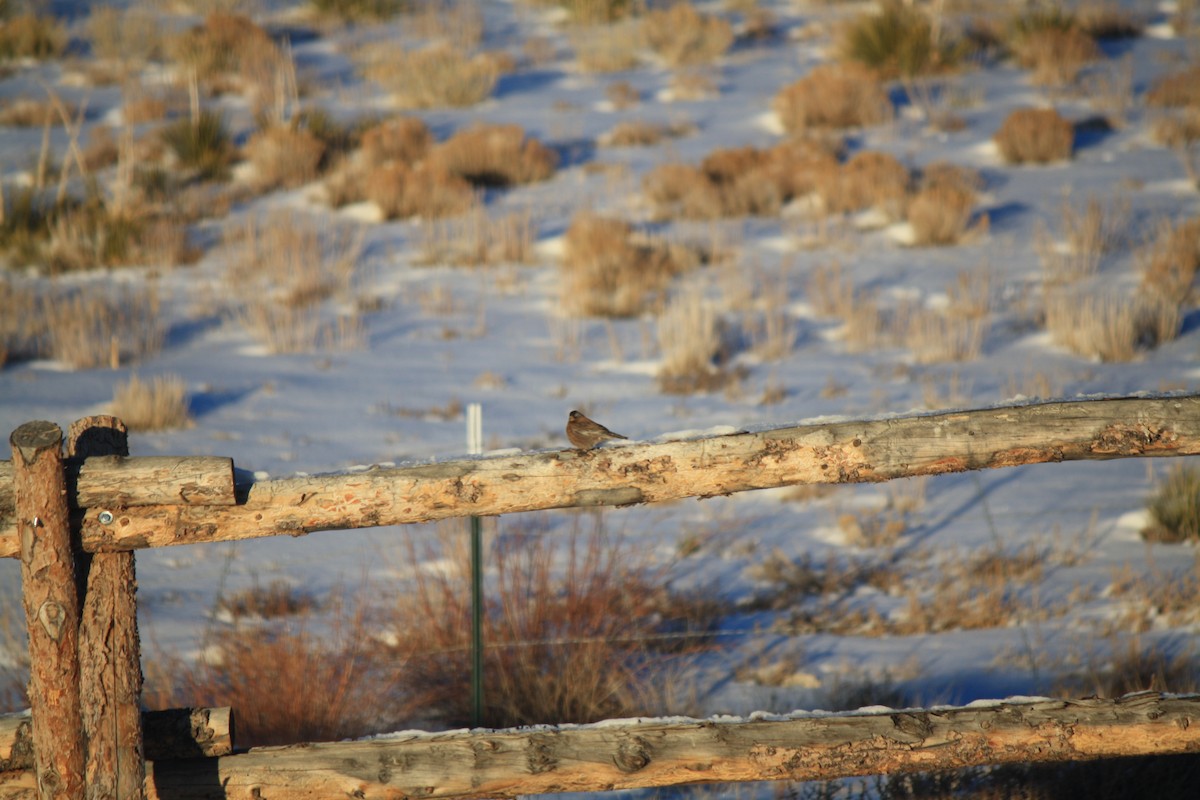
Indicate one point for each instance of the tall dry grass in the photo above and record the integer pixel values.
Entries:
(291, 277)
(1110, 326)
(689, 338)
(437, 76)
(155, 405)
(571, 628)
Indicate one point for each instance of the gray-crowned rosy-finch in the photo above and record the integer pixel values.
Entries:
(586, 434)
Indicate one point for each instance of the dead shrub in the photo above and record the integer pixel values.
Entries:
(295, 680)
(1175, 507)
(403, 139)
(1110, 327)
(277, 599)
(1177, 90)
(733, 182)
(682, 191)
(1035, 135)
(637, 133)
(29, 35)
(622, 95)
(436, 76)
(155, 405)
(940, 214)
(683, 36)
(1056, 55)
(1108, 21)
(1170, 259)
(833, 96)
(868, 180)
(494, 156)
(224, 51)
(569, 629)
(608, 48)
(283, 156)
(402, 191)
(25, 112)
(607, 270)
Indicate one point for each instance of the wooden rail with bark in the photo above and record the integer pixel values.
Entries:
(839, 452)
(632, 754)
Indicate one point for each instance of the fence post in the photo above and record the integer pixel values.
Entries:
(51, 609)
(109, 648)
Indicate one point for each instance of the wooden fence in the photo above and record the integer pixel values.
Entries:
(75, 521)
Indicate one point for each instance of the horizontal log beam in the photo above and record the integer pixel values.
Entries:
(122, 482)
(174, 733)
(638, 754)
(840, 452)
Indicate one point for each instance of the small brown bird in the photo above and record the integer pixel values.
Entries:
(586, 434)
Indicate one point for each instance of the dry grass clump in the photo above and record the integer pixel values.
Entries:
(436, 76)
(478, 238)
(1090, 233)
(638, 133)
(898, 41)
(1110, 326)
(683, 36)
(833, 96)
(86, 330)
(201, 144)
(277, 599)
(156, 405)
(608, 270)
(1035, 135)
(1175, 506)
(689, 336)
(957, 329)
(940, 211)
(287, 270)
(30, 35)
(405, 139)
(607, 48)
(402, 191)
(494, 156)
(1051, 42)
(1171, 258)
(125, 38)
(732, 182)
(283, 156)
(1108, 21)
(622, 95)
(870, 179)
(225, 53)
(1177, 90)
(25, 112)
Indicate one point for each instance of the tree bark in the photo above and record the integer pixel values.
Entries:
(110, 659)
(842, 452)
(176, 733)
(51, 609)
(636, 754)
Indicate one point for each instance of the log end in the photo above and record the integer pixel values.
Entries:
(34, 438)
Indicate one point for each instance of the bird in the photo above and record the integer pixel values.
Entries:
(586, 434)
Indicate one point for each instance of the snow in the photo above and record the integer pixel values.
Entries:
(283, 415)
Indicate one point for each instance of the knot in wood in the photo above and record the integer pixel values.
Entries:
(539, 755)
(52, 615)
(632, 755)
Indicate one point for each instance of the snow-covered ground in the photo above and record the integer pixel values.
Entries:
(497, 335)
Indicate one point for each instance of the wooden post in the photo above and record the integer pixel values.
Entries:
(51, 609)
(109, 649)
